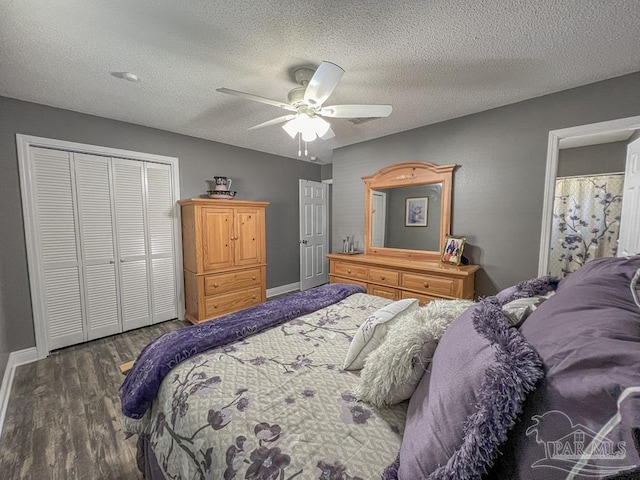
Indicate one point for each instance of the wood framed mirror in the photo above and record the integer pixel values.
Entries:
(408, 210)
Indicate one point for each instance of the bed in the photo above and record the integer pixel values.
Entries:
(274, 402)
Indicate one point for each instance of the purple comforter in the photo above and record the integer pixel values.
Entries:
(160, 356)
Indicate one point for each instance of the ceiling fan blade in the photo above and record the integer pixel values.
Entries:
(256, 98)
(328, 135)
(356, 111)
(275, 121)
(323, 83)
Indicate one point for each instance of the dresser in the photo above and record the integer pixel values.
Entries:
(396, 278)
(224, 259)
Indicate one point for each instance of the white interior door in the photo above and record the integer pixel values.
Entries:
(129, 194)
(57, 246)
(629, 241)
(95, 221)
(378, 218)
(314, 238)
(161, 207)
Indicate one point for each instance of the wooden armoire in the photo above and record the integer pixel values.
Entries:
(224, 248)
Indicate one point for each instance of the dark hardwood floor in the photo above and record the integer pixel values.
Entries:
(63, 420)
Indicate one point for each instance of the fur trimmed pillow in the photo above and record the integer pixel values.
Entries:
(371, 333)
(392, 372)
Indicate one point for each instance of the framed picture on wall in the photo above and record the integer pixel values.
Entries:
(453, 247)
(415, 211)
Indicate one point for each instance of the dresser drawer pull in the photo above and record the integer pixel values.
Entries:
(215, 285)
(349, 271)
(253, 278)
(254, 297)
(215, 306)
(382, 277)
(426, 285)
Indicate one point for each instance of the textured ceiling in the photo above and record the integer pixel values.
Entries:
(432, 60)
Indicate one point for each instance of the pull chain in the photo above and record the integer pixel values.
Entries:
(306, 152)
(299, 145)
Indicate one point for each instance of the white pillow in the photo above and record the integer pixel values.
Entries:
(518, 310)
(392, 372)
(371, 333)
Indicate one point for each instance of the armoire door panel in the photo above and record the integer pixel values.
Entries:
(246, 237)
(217, 243)
(135, 294)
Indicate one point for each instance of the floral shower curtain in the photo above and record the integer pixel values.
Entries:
(586, 221)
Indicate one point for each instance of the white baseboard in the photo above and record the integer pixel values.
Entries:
(17, 358)
(292, 287)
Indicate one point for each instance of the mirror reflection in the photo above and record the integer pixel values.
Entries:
(407, 217)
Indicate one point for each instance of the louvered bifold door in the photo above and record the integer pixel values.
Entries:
(132, 249)
(57, 241)
(161, 211)
(95, 220)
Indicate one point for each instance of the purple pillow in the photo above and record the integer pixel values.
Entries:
(459, 415)
(588, 335)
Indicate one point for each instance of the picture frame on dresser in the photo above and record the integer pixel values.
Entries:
(453, 247)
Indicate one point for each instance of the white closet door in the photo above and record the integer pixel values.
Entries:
(93, 192)
(58, 246)
(161, 205)
(129, 193)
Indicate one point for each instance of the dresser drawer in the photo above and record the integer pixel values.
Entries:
(381, 275)
(231, 302)
(385, 292)
(232, 281)
(422, 299)
(429, 284)
(350, 270)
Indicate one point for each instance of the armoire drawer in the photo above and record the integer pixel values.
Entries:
(231, 281)
(350, 270)
(429, 284)
(381, 275)
(230, 302)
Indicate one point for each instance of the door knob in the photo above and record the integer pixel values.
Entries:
(303, 241)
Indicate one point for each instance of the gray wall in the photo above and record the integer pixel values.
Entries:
(326, 171)
(257, 176)
(592, 159)
(499, 186)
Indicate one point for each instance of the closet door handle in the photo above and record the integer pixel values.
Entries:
(122, 260)
(112, 262)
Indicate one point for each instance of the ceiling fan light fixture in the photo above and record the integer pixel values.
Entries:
(307, 126)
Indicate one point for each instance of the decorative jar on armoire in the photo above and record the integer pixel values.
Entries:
(224, 252)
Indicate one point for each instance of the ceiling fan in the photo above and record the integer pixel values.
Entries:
(306, 104)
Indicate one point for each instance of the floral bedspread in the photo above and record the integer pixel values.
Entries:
(274, 406)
